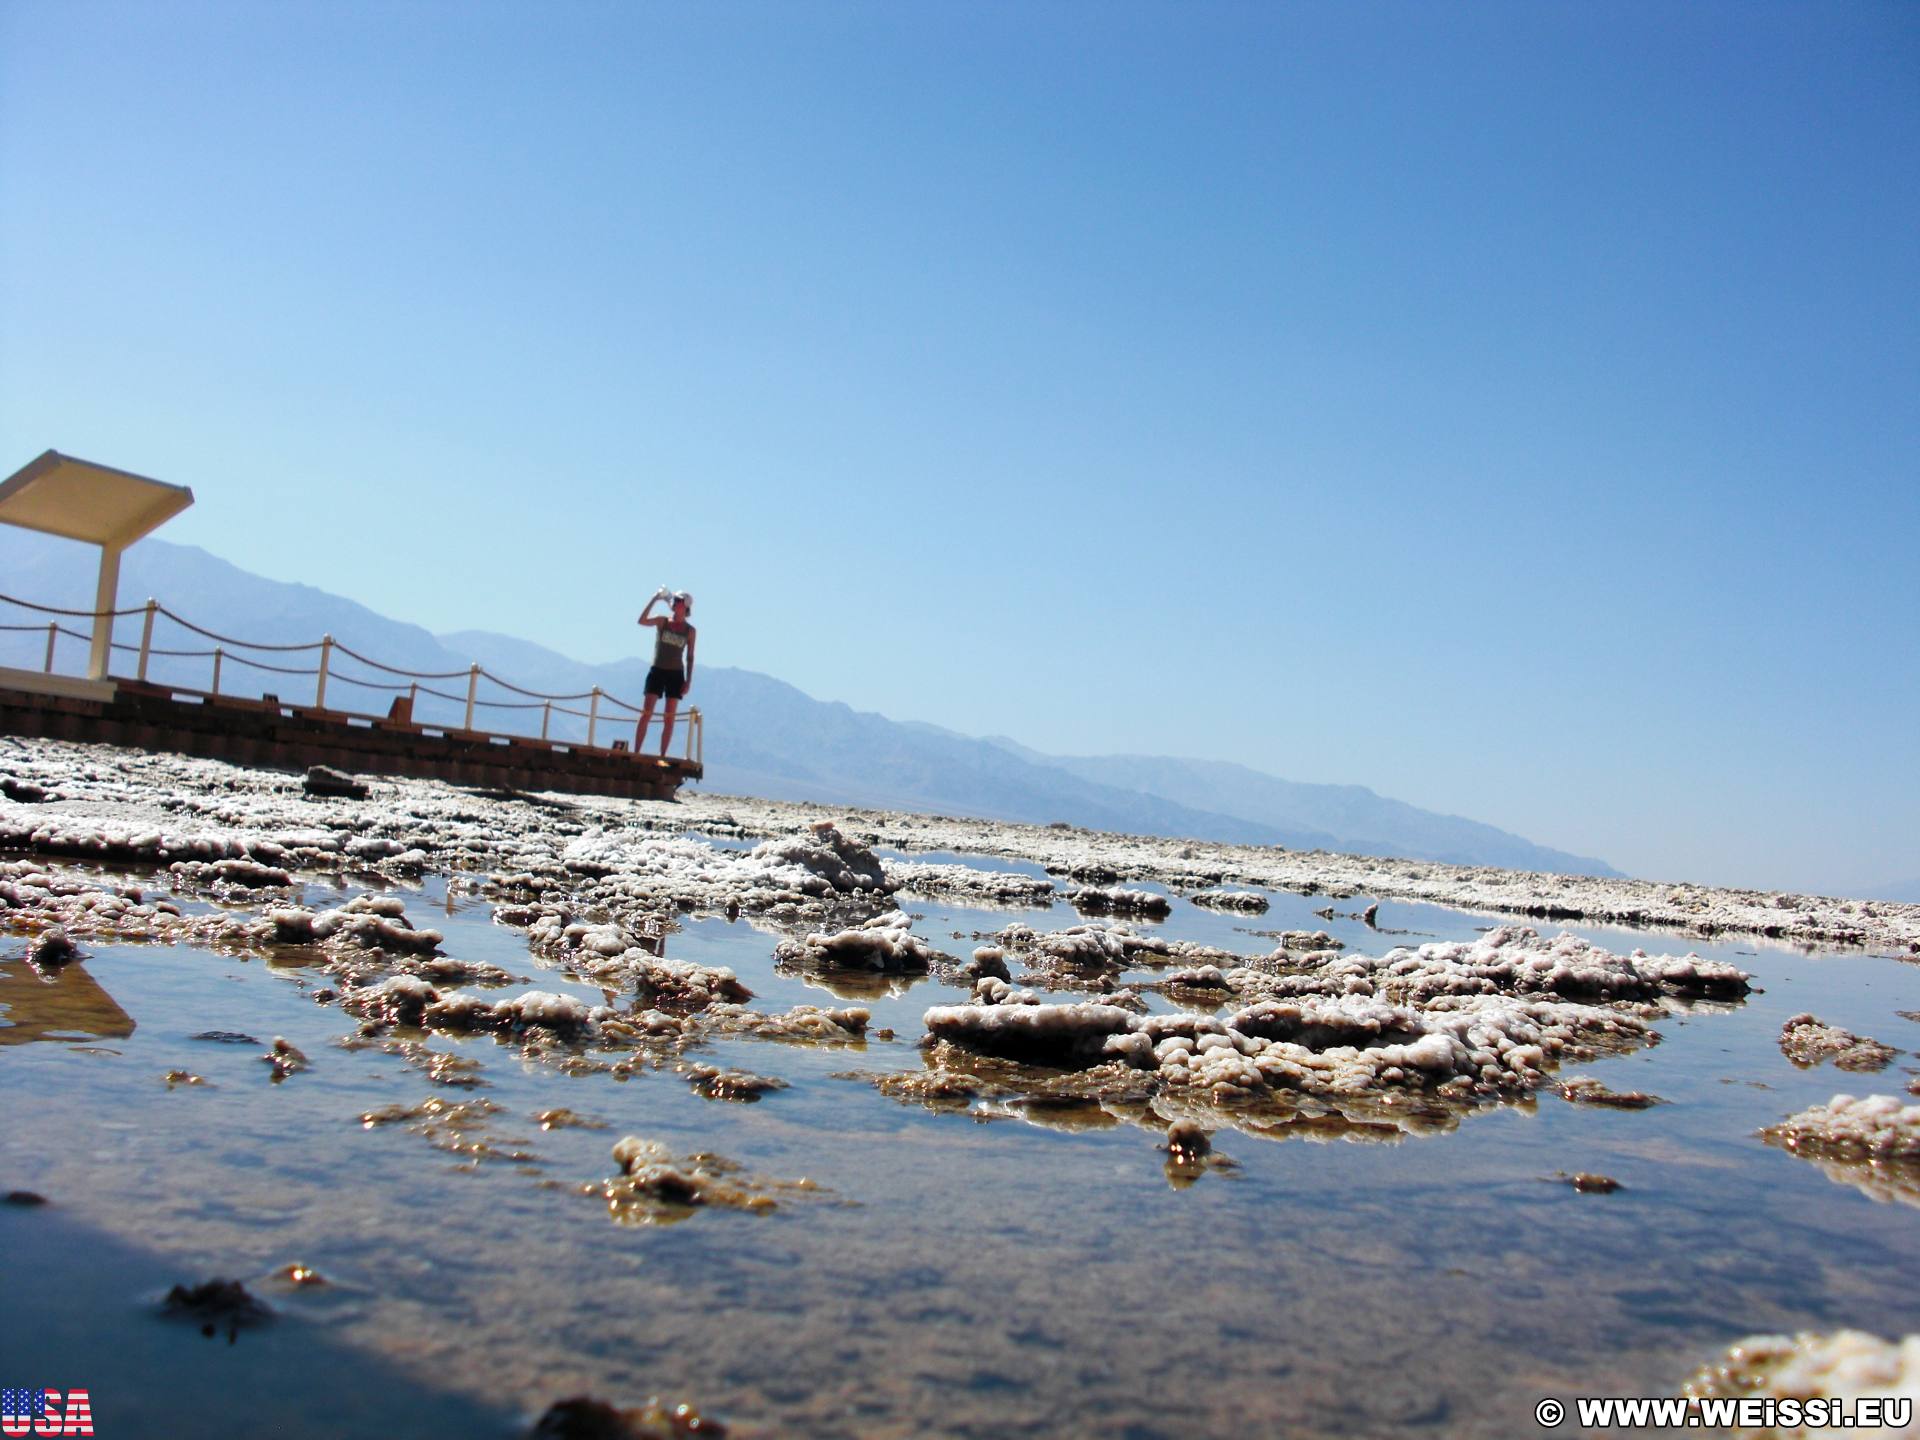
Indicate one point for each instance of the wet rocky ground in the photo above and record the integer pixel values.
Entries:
(836, 1123)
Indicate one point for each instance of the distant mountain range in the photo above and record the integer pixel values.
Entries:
(763, 737)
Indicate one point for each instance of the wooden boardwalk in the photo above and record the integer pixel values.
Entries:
(291, 737)
(268, 731)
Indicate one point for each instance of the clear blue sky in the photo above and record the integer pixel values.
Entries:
(1513, 407)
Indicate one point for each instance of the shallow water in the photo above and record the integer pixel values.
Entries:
(953, 1275)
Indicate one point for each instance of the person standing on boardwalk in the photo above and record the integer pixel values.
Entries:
(672, 670)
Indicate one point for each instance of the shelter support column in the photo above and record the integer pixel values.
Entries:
(100, 659)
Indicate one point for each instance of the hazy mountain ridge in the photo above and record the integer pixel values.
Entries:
(763, 736)
(1365, 821)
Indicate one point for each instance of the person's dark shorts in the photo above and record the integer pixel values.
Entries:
(670, 683)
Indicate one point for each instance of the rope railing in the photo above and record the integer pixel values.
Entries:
(393, 670)
(548, 704)
(76, 614)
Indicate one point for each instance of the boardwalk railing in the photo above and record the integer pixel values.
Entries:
(604, 712)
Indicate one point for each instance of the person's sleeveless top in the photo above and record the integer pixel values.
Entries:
(670, 648)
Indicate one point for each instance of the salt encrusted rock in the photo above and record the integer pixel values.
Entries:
(237, 874)
(651, 1178)
(1334, 1046)
(988, 960)
(1094, 900)
(683, 985)
(52, 947)
(564, 1016)
(1242, 902)
(446, 970)
(334, 784)
(970, 884)
(885, 943)
(1876, 1127)
(1308, 940)
(1059, 1034)
(846, 1025)
(1848, 1365)
(1585, 1090)
(717, 1083)
(1808, 1042)
(397, 1000)
(372, 922)
(20, 791)
(1086, 948)
(285, 1058)
(834, 861)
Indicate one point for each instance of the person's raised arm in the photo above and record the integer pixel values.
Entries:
(647, 617)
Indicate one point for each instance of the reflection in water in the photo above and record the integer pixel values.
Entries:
(1059, 1272)
(63, 1004)
(855, 984)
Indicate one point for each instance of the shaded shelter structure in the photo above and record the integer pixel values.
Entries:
(80, 500)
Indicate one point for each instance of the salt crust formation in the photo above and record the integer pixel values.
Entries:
(1095, 900)
(1808, 1042)
(1875, 1127)
(108, 804)
(980, 888)
(1305, 1037)
(1585, 1090)
(1244, 902)
(655, 1187)
(1443, 1025)
(1847, 1365)
(885, 943)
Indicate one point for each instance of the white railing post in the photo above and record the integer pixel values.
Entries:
(546, 718)
(146, 638)
(218, 655)
(53, 633)
(320, 685)
(593, 716)
(473, 687)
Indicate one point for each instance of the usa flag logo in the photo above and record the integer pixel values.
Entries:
(43, 1413)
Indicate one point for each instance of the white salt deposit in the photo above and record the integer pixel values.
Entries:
(1848, 1365)
(969, 884)
(1085, 948)
(1873, 1127)
(1244, 902)
(536, 1009)
(1461, 1022)
(1097, 900)
(884, 943)
(101, 802)
(1051, 1033)
(1808, 1042)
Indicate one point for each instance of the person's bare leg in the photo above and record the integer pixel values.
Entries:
(640, 730)
(666, 726)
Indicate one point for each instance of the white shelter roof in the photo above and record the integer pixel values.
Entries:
(84, 501)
